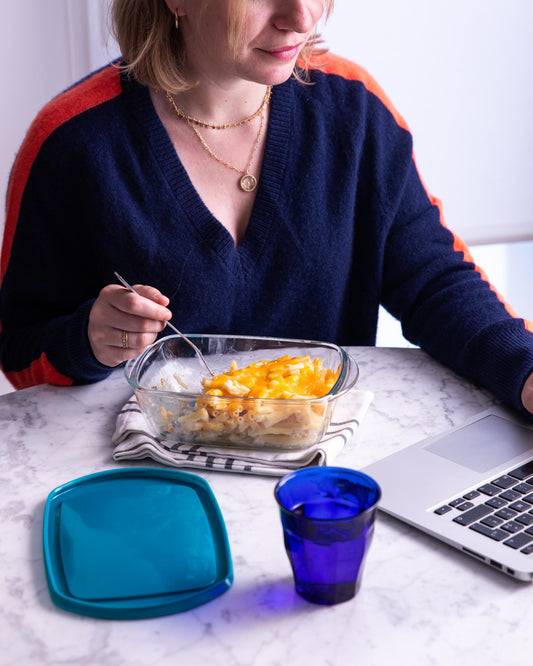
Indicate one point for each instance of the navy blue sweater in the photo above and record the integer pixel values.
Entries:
(340, 224)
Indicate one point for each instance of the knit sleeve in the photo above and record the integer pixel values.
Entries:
(44, 333)
(45, 296)
(429, 280)
(43, 310)
(444, 300)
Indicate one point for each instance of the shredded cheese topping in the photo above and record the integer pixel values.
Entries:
(284, 377)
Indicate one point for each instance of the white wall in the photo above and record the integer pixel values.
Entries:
(461, 73)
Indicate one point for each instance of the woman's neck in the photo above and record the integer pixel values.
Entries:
(222, 105)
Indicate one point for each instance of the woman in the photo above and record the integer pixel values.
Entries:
(250, 200)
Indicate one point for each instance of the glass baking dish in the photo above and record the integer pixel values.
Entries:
(167, 381)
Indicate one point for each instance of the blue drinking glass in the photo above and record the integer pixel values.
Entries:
(328, 515)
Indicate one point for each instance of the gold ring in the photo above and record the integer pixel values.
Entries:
(124, 339)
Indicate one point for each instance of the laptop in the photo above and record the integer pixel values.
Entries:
(471, 487)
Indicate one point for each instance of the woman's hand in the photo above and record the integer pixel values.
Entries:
(527, 394)
(122, 324)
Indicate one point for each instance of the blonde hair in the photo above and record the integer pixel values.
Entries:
(152, 48)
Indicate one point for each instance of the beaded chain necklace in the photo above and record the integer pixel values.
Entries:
(247, 182)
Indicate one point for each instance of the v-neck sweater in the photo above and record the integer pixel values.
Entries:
(341, 223)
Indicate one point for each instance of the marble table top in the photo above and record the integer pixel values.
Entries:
(421, 601)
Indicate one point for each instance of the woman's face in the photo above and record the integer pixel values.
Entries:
(274, 31)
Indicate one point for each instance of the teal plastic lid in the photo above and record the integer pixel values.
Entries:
(135, 543)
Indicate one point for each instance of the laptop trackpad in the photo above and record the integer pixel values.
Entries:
(484, 444)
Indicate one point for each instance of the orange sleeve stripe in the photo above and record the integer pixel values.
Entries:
(332, 64)
(40, 371)
(96, 89)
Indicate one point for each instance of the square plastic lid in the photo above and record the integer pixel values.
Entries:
(134, 543)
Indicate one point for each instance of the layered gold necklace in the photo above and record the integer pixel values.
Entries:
(247, 181)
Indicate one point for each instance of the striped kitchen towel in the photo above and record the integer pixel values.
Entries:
(134, 439)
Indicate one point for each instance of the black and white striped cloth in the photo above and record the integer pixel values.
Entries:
(133, 439)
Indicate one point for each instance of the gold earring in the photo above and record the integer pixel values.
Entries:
(177, 22)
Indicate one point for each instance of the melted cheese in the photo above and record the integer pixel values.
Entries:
(284, 377)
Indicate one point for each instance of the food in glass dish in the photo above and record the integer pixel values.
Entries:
(226, 410)
(267, 393)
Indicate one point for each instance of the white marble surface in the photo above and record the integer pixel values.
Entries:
(421, 602)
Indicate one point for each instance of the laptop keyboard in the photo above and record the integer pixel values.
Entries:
(501, 509)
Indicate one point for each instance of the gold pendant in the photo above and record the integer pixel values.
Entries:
(248, 183)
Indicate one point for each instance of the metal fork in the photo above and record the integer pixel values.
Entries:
(200, 355)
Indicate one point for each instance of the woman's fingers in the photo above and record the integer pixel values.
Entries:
(148, 303)
(122, 323)
(527, 394)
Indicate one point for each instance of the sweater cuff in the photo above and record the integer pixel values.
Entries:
(71, 352)
(503, 360)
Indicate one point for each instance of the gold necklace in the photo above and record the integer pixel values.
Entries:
(247, 182)
(202, 123)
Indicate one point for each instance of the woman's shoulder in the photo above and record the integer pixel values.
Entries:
(46, 130)
(349, 72)
(330, 63)
(93, 90)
